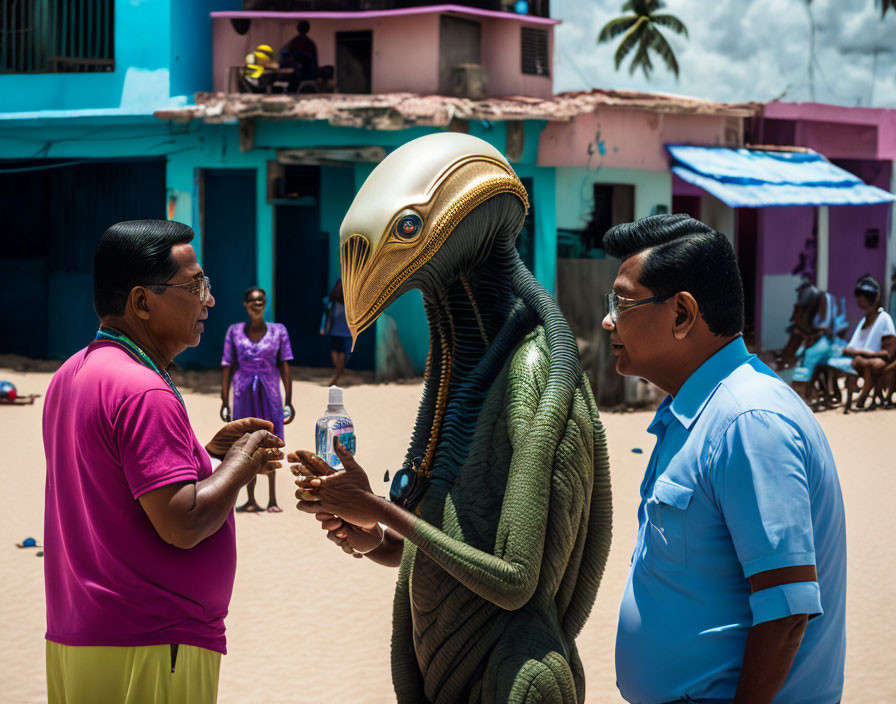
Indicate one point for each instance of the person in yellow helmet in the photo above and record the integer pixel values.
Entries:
(259, 68)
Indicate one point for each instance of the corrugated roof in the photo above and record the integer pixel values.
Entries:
(746, 178)
(385, 111)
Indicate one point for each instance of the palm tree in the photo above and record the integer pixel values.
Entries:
(642, 29)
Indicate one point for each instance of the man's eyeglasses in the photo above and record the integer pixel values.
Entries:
(200, 286)
(617, 305)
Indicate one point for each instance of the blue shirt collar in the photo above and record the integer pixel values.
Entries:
(692, 397)
(662, 416)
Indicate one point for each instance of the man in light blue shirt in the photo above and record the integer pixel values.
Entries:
(737, 585)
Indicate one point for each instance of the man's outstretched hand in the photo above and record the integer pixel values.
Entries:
(233, 431)
(255, 453)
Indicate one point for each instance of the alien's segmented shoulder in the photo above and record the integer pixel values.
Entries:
(526, 381)
(531, 361)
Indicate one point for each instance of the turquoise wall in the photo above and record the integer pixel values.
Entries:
(142, 56)
(190, 58)
(163, 50)
(195, 146)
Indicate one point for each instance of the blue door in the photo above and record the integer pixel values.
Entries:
(228, 256)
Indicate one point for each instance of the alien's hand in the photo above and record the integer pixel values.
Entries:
(346, 494)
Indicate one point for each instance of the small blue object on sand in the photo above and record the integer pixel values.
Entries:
(28, 543)
(637, 450)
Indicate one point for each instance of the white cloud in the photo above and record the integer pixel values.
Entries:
(741, 50)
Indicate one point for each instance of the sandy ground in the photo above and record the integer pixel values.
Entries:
(308, 623)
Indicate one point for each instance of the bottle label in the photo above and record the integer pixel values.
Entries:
(327, 432)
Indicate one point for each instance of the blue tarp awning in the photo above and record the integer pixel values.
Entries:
(747, 178)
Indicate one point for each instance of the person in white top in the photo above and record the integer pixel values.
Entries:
(873, 343)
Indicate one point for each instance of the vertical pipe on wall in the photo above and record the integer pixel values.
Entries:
(4, 28)
(824, 249)
(103, 25)
(81, 27)
(63, 34)
(90, 48)
(890, 247)
(264, 238)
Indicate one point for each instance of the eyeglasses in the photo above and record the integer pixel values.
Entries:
(617, 305)
(200, 286)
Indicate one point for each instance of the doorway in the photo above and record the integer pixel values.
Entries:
(353, 61)
(54, 215)
(460, 42)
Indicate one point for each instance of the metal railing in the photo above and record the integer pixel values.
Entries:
(57, 36)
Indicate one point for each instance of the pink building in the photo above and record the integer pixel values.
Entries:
(423, 50)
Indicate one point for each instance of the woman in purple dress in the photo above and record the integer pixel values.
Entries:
(256, 357)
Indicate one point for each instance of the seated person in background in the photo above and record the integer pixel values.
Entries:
(300, 54)
(868, 351)
(818, 324)
(259, 69)
(325, 83)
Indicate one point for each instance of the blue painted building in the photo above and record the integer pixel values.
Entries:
(80, 147)
(106, 131)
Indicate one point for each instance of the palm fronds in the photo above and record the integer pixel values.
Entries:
(641, 29)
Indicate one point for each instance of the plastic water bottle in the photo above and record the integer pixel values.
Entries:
(332, 425)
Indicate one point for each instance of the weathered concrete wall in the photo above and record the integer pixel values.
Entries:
(630, 139)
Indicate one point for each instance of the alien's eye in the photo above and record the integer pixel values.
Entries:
(408, 226)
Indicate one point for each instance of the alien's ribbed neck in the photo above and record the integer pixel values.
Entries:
(473, 308)
(475, 321)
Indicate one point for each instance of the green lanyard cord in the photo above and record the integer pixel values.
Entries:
(105, 334)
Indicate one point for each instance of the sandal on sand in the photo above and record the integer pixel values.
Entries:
(249, 508)
(275, 509)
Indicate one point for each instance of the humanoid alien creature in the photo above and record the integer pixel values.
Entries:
(505, 490)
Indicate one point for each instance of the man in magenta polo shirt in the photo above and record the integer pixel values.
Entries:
(140, 552)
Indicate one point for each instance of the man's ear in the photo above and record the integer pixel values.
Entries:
(138, 301)
(686, 314)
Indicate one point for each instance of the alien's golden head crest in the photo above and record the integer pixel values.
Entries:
(406, 210)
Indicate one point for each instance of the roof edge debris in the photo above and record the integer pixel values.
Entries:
(392, 111)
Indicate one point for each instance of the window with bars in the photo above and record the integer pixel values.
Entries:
(57, 36)
(534, 45)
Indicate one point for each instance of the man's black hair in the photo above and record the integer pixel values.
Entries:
(685, 255)
(302, 27)
(134, 253)
(251, 290)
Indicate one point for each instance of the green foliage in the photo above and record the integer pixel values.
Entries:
(640, 31)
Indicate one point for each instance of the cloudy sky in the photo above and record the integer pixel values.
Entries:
(742, 50)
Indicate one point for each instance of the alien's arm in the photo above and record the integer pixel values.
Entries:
(535, 425)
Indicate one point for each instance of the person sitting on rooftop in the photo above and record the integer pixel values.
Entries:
(300, 54)
(259, 68)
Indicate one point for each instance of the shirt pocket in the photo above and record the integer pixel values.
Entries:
(667, 516)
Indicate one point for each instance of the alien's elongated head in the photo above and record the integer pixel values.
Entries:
(406, 211)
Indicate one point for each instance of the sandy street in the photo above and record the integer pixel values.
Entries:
(309, 624)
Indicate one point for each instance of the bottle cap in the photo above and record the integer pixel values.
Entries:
(335, 396)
